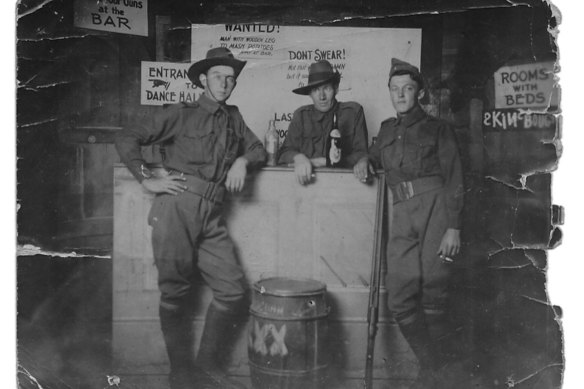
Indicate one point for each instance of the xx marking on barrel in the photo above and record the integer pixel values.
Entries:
(261, 334)
(278, 347)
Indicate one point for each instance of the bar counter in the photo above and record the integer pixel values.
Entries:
(323, 231)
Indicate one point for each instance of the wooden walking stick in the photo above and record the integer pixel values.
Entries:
(375, 284)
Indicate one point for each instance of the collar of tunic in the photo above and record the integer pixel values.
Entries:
(412, 117)
(210, 105)
(319, 116)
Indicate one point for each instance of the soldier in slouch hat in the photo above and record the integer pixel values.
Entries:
(305, 145)
(209, 149)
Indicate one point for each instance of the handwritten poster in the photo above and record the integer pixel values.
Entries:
(278, 58)
(166, 83)
(525, 86)
(123, 16)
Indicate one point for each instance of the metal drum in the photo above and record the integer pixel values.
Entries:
(287, 334)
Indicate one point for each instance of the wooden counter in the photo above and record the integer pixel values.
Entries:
(323, 231)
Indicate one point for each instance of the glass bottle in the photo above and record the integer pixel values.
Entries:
(334, 148)
(271, 143)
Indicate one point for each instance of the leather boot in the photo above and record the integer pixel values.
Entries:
(176, 325)
(218, 334)
(416, 334)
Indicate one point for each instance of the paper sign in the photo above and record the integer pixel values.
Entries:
(525, 86)
(123, 16)
(278, 58)
(166, 83)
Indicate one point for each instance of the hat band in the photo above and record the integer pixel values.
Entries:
(320, 76)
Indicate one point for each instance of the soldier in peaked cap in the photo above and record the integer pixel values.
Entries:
(423, 171)
(209, 149)
(305, 143)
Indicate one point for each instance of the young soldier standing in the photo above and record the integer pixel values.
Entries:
(209, 149)
(422, 166)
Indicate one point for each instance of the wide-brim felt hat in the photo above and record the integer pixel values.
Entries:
(319, 73)
(215, 57)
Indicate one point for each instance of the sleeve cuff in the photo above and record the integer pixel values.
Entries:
(287, 157)
(139, 170)
(255, 158)
(454, 222)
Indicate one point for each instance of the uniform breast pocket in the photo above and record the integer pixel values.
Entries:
(389, 156)
(427, 156)
(233, 148)
(308, 142)
(197, 146)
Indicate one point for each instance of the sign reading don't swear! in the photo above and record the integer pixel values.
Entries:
(123, 16)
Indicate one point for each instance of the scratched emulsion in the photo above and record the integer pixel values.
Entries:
(76, 87)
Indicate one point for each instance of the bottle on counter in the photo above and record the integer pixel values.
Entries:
(334, 147)
(272, 143)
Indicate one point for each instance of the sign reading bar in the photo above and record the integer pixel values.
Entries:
(525, 86)
(123, 16)
(166, 83)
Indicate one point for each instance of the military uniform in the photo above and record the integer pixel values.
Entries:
(309, 129)
(422, 166)
(201, 140)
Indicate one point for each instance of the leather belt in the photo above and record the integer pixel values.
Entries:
(211, 191)
(405, 190)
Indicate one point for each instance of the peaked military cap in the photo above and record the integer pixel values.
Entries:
(399, 67)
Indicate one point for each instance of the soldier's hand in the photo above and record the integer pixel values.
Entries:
(165, 184)
(363, 170)
(236, 175)
(450, 245)
(303, 169)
